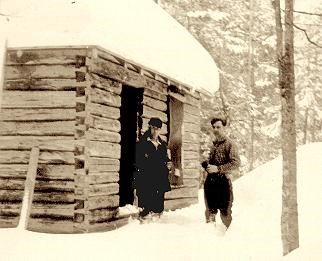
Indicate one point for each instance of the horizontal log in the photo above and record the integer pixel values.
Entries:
(40, 71)
(8, 222)
(12, 206)
(105, 97)
(191, 127)
(94, 161)
(123, 75)
(43, 84)
(104, 168)
(39, 99)
(191, 173)
(104, 124)
(56, 157)
(56, 172)
(16, 156)
(179, 203)
(101, 215)
(37, 114)
(190, 155)
(13, 170)
(191, 137)
(54, 185)
(54, 197)
(155, 104)
(108, 225)
(189, 118)
(177, 96)
(44, 56)
(188, 108)
(105, 84)
(11, 195)
(192, 100)
(61, 143)
(96, 202)
(103, 135)
(191, 146)
(53, 226)
(106, 177)
(191, 164)
(185, 192)
(104, 149)
(103, 110)
(8, 213)
(12, 184)
(149, 112)
(55, 128)
(103, 189)
(191, 182)
(65, 210)
(157, 95)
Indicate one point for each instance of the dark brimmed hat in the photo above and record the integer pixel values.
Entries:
(219, 118)
(156, 122)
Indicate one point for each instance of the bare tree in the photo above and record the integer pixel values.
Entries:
(285, 57)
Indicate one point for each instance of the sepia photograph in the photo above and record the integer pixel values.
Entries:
(145, 130)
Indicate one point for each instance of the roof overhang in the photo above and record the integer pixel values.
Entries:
(137, 30)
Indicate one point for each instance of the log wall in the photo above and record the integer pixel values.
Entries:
(39, 109)
(67, 102)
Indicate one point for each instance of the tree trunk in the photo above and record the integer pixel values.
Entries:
(306, 116)
(221, 85)
(285, 56)
(251, 81)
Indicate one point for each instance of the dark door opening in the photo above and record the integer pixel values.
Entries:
(175, 116)
(131, 125)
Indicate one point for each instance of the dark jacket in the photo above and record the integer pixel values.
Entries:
(151, 166)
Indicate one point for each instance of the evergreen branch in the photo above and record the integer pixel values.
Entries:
(307, 36)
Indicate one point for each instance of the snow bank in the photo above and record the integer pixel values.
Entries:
(182, 235)
(138, 30)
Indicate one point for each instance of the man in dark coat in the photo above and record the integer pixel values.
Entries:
(223, 160)
(151, 176)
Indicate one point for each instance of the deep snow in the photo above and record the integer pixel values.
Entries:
(183, 235)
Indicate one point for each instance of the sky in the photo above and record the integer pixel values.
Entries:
(183, 234)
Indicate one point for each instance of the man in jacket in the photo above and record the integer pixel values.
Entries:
(151, 176)
(223, 160)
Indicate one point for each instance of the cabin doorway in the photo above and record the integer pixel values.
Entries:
(175, 115)
(131, 125)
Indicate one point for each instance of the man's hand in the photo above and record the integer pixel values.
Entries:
(212, 168)
(169, 165)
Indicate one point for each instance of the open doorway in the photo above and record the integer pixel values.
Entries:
(131, 125)
(175, 115)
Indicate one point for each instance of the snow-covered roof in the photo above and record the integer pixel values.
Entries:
(137, 30)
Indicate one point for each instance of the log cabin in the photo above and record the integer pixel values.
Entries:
(84, 107)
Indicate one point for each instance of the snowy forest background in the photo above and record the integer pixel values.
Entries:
(241, 37)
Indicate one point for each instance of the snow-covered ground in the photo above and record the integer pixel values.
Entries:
(183, 235)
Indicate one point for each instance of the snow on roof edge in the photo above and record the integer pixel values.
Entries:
(156, 41)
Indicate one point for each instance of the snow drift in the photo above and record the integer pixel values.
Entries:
(183, 234)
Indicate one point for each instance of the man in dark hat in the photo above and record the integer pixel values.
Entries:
(151, 176)
(223, 160)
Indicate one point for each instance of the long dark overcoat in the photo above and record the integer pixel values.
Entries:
(151, 166)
